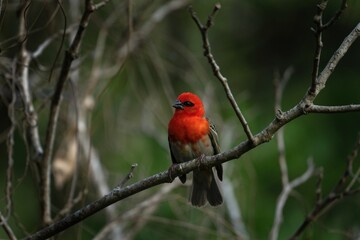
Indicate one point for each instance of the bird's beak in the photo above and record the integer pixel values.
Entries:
(178, 105)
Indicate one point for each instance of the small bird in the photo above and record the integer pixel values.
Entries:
(190, 136)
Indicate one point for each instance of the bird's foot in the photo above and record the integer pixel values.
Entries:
(201, 161)
(171, 172)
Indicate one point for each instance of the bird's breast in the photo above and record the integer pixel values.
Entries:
(188, 129)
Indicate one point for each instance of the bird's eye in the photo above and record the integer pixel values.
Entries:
(188, 104)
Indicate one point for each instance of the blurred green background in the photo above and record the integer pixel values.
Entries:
(252, 41)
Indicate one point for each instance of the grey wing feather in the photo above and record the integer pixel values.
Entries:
(215, 144)
(173, 159)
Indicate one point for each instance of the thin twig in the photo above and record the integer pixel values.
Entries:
(234, 211)
(336, 16)
(9, 232)
(95, 168)
(339, 192)
(319, 44)
(353, 155)
(334, 60)
(128, 176)
(280, 84)
(287, 189)
(318, 30)
(70, 204)
(288, 186)
(70, 55)
(318, 190)
(41, 47)
(10, 150)
(215, 67)
(333, 109)
(22, 74)
(140, 212)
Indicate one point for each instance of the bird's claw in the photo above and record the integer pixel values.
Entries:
(171, 171)
(201, 160)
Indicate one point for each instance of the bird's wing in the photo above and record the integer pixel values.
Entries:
(173, 159)
(215, 144)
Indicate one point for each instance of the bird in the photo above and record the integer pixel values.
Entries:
(191, 135)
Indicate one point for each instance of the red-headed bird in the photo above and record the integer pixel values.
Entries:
(191, 135)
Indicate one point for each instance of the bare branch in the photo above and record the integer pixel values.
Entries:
(334, 60)
(99, 5)
(128, 176)
(96, 170)
(70, 55)
(215, 67)
(22, 74)
(41, 47)
(319, 44)
(234, 210)
(7, 228)
(146, 208)
(318, 190)
(339, 192)
(287, 189)
(333, 109)
(10, 150)
(318, 30)
(279, 89)
(337, 15)
(70, 204)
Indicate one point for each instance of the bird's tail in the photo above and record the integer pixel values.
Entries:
(205, 188)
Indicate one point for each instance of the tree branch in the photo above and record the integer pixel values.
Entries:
(128, 176)
(280, 84)
(215, 67)
(333, 109)
(70, 55)
(287, 186)
(334, 60)
(319, 44)
(339, 192)
(7, 228)
(287, 189)
(10, 151)
(318, 30)
(22, 76)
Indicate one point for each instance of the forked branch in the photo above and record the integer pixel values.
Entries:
(215, 67)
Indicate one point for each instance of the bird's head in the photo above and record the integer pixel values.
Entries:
(189, 104)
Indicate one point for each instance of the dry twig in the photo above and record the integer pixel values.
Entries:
(9, 232)
(288, 186)
(215, 67)
(339, 192)
(128, 176)
(70, 55)
(318, 30)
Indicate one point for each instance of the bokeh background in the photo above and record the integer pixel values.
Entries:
(129, 108)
